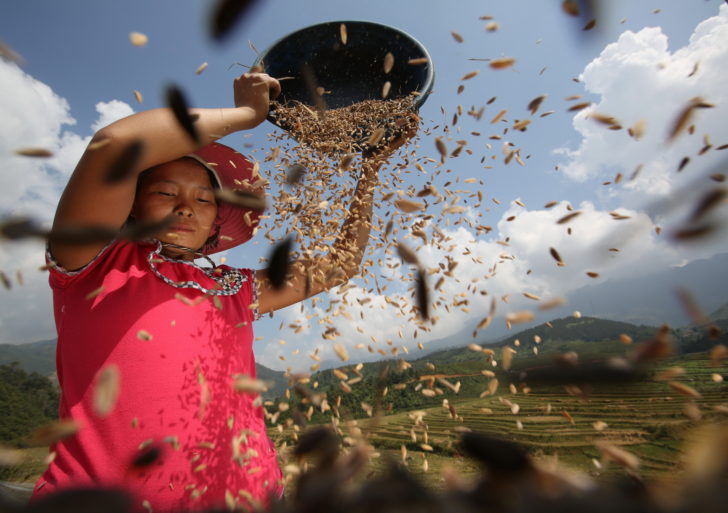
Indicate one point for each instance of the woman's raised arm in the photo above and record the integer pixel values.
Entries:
(308, 277)
(90, 200)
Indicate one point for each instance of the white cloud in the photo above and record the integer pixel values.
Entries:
(34, 116)
(483, 265)
(110, 112)
(635, 78)
(639, 78)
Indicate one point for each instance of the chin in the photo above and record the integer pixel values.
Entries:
(185, 241)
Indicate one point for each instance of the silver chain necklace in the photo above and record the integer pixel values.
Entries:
(229, 281)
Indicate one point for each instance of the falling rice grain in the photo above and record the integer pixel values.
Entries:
(683, 118)
(343, 33)
(376, 137)
(470, 75)
(568, 217)
(385, 89)
(600, 425)
(579, 106)
(552, 303)
(407, 254)
(388, 62)
(556, 256)
(409, 206)
(492, 386)
(177, 102)
(484, 323)
(5, 280)
(106, 390)
(534, 104)
(637, 131)
(345, 161)
(138, 97)
(279, 263)
(226, 14)
(34, 152)
(10, 457)
(717, 354)
(246, 384)
(457, 37)
(708, 202)
(684, 162)
(341, 352)
(202, 67)
(619, 455)
(144, 335)
(423, 295)
(604, 119)
(669, 374)
(519, 317)
(54, 432)
(498, 117)
(138, 39)
(683, 389)
(570, 7)
(441, 148)
(507, 357)
(503, 63)
(294, 173)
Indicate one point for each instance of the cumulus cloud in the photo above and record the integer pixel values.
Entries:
(639, 80)
(34, 116)
(513, 261)
(110, 112)
(616, 236)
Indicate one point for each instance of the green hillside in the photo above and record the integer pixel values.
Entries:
(649, 418)
(37, 357)
(589, 337)
(27, 400)
(721, 314)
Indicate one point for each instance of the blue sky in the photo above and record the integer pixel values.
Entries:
(79, 72)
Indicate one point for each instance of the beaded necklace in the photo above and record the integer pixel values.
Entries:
(229, 281)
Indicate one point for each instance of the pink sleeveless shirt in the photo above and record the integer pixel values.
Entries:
(177, 352)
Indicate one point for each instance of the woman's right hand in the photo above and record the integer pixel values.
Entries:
(255, 91)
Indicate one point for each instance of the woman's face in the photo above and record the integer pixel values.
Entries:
(182, 189)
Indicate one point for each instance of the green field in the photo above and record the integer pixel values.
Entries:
(646, 418)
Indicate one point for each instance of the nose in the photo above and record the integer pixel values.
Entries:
(183, 210)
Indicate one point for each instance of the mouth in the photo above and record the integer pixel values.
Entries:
(182, 228)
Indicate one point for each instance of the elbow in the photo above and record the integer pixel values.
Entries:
(103, 137)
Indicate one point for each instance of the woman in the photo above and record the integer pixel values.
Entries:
(174, 336)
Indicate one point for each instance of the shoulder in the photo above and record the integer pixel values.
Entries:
(114, 253)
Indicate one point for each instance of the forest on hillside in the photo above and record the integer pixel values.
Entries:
(27, 400)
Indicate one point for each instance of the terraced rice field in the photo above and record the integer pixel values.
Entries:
(648, 419)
